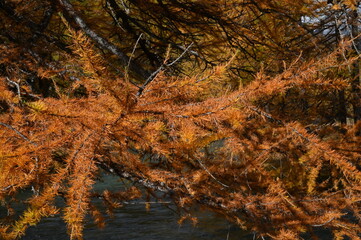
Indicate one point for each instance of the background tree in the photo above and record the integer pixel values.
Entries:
(238, 107)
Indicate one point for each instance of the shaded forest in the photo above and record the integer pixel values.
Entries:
(247, 108)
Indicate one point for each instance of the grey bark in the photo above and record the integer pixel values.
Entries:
(71, 15)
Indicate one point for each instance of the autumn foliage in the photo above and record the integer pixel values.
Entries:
(276, 151)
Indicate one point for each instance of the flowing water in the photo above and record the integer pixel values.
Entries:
(135, 222)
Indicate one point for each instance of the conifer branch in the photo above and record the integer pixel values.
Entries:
(73, 16)
(16, 85)
(38, 29)
(159, 186)
(257, 162)
(18, 133)
(210, 174)
(161, 68)
(124, 15)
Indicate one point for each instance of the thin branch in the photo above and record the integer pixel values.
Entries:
(17, 132)
(162, 67)
(210, 174)
(135, 46)
(7, 187)
(323, 224)
(135, 203)
(159, 186)
(113, 14)
(180, 56)
(102, 43)
(16, 85)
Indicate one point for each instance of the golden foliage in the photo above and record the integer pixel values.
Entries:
(240, 153)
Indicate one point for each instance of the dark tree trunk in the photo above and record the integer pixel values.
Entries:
(356, 90)
(342, 110)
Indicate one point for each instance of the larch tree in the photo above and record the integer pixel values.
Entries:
(247, 108)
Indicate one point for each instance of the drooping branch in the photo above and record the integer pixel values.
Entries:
(127, 24)
(37, 29)
(72, 16)
(160, 186)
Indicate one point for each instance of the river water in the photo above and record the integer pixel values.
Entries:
(135, 222)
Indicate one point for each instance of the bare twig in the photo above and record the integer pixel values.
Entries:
(180, 56)
(323, 224)
(210, 174)
(135, 203)
(162, 67)
(17, 132)
(114, 16)
(159, 186)
(135, 46)
(16, 85)
(7, 187)
(102, 43)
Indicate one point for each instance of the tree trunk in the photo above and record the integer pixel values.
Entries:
(342, 111)
(356, 77)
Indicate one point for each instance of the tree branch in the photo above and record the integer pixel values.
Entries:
(120, 171)
(162, 67)
(17, 132)
(72, 16)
